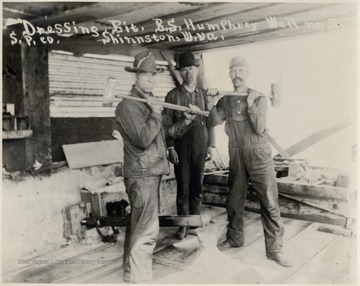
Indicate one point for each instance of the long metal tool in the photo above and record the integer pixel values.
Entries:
(110, 91)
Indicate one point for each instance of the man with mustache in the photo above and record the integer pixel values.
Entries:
(189, 139)
(250, 160)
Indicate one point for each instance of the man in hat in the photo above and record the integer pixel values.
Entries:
(250, 160)
(145, 161)
(189, 139)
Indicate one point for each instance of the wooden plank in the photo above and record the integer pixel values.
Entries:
(216, 179)
(88, 13)
(312, 191)
(202, 13)
(316, 137)
(76, 214)
(16, 134)
(167, 221)
(293, 209)
(44, 270)
(241, 38)
(288, 208)
(221, 188)
(93, 154)
(209, 265)
(92, 265)
(252, 231)
(13, 269)
(304, 246)
(301, 13)
(113, 272)
(334, 261)
(278, 148)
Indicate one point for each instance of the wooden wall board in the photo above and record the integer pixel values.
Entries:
(78, 130)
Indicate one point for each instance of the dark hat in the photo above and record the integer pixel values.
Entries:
(186, 59)
(145, 62)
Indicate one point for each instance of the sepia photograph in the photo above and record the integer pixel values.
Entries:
(164, 142)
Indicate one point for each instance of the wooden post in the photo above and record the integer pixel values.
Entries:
(201, 77)
(37, 103)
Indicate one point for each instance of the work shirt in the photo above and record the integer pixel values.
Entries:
(245, 126)
(174, 120)
(144, 137)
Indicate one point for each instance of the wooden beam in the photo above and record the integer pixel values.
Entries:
(90, 12)
(174, 72)
(37, 103)
(164, 221)
(256, 15)
(319, 13)
(288, 208)
(313, 191)
(16, 134)
(315, 138)
(278, 148)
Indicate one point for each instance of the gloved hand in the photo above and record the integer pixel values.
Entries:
(173, 156)
(253, 95)
(155, 104)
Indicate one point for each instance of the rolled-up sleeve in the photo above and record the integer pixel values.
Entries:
(217, 114)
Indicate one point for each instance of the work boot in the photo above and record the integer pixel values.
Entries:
(126, 277)
(280, 259)
(227, 244)
(181, 233)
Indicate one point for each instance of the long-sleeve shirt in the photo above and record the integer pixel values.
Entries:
(174, 120)
(245, 126)
(144, 137)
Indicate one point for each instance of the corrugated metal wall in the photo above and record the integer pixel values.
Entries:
(77, 84)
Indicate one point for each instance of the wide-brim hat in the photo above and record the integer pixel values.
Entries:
(144, 62)
(186, 59)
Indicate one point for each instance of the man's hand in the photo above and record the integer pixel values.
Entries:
(155, 104)
(253, 95)
(173, 156)
(211, 152)
(210, 94)
(189, 115)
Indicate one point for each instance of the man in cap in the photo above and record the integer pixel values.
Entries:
(145, 161)
(250, 160)
(189, 139)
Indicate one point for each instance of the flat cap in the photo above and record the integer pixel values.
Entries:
(237, 61)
